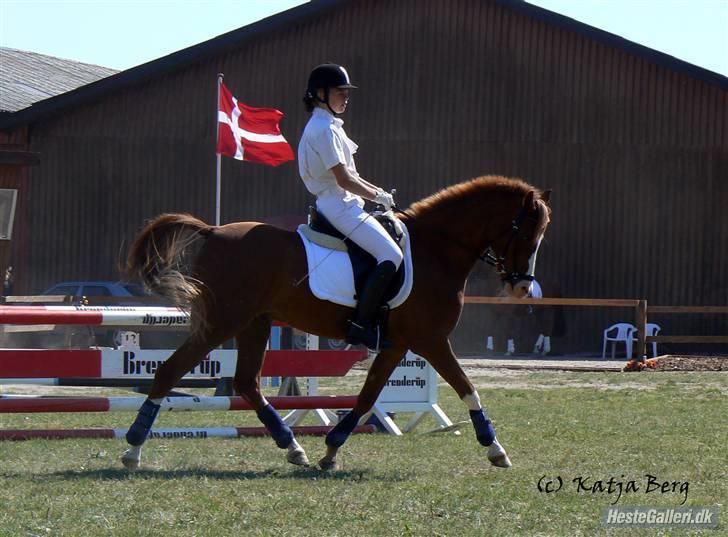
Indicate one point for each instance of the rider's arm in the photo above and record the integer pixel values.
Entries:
(375, 187)
(353, 183)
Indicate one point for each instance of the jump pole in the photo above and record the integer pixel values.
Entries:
(136, 317)
(199, 433)
(28, 405)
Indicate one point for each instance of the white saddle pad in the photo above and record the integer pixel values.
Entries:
(331, 277)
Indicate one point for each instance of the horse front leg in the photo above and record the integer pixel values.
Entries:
(378, 374)
(251, 354)
(443, 359)
(166, 377)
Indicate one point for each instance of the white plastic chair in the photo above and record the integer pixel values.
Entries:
(651, 329)
(619, 332)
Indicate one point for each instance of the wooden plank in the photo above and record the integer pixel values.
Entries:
(688, 339)
(641, 323)
(23, 158)
(687, 309)
(37, 299)
(598, 302)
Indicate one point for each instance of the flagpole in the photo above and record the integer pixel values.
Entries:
(218, 182)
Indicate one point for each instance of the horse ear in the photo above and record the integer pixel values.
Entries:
(530, 200)
(546, 196)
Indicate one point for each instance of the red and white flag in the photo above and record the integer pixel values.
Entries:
(252, 134)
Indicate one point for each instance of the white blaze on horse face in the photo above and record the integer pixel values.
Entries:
(532, 260)
(522, 287)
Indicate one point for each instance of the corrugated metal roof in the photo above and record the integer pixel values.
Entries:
(29, 77)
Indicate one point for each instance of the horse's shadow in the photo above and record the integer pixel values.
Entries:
(121, 474)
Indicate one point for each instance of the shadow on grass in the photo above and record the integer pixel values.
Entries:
(121, 474)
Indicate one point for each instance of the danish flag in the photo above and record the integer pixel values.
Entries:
(252, 134)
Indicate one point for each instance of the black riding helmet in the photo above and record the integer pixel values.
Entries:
(326, 76)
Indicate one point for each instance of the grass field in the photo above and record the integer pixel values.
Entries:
(590, 425)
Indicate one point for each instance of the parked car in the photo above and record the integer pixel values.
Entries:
(96, 288)
(118, 293)
(299, 342)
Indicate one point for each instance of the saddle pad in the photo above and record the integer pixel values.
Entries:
(331, 277)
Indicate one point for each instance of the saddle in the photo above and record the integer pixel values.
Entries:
(322, 232)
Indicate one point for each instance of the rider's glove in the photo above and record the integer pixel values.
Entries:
(385, 199)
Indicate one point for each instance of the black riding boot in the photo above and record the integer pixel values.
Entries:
(363, 328)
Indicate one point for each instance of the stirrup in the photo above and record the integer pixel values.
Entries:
(370, 337)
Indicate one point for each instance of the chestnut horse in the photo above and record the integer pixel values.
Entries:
(235, 279)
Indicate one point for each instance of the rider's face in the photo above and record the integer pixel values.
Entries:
(338, 99)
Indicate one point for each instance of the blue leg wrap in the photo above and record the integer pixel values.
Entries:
(484, 431)
(339, 434)
(139, 430)
(280, 432)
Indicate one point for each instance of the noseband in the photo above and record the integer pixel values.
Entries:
(498, 262)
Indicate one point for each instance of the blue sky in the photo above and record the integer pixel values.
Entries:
(125, 33)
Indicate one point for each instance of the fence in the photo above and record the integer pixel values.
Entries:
(133, 365)
(640, 308)
(659, 310)
(411, 388)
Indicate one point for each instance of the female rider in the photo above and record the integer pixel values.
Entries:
(326, 165)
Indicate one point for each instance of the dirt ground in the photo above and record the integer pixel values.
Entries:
(661, 363)
(690, 363)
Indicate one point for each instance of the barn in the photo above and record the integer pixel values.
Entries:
(633, 142)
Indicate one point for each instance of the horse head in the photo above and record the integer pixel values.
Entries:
(514, 252)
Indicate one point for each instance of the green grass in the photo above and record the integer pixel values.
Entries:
(669, 425)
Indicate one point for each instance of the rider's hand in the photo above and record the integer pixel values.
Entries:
(385, 199)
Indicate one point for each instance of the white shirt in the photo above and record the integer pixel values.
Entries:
(323, 145)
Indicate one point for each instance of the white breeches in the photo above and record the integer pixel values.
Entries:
(354, 222)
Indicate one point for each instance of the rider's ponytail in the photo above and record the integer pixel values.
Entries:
(309, 101)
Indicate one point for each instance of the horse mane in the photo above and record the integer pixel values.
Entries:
(467, 190)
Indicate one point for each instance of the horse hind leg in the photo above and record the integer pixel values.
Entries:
(251, 353)
(166, 377)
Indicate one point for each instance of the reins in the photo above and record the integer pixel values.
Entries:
(498, 261)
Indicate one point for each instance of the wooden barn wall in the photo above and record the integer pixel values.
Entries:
(15, 176)
(636, 153)
(10, 177)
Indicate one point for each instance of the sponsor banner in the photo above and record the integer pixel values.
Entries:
(414, 380)
(144, 364)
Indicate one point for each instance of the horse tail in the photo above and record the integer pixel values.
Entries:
(160, 258)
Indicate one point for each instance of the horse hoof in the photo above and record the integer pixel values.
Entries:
(501, 461)
(497, 456)
(130, 460)
(327, 465)
(298, 457)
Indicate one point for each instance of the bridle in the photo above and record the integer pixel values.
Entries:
(498, 262)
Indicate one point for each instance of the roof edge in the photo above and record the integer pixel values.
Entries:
(166, 64)
(660, 58)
